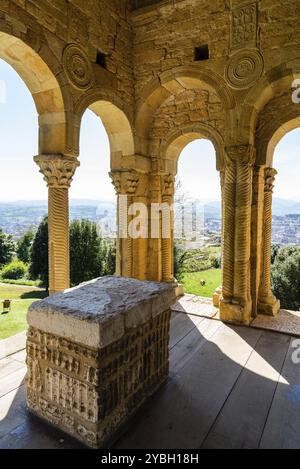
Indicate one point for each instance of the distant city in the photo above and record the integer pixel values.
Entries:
(17, 217)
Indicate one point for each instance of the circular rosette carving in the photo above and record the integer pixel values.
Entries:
(244, 69)
(78, 67)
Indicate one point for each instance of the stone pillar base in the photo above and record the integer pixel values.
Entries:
(96, 353)
(179, 291)
(217, 297)
(268, 306)
(235, 313)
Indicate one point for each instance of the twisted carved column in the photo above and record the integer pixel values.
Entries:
(236, 300)
(243, 225)
(58, 172)
(228, 224)
(256, 233)
(168, 188)
(267, 303)
(155, 243)
(130, 188)
(218, 293)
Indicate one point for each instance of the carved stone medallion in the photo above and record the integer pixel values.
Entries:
(78, 67)
(244, 69)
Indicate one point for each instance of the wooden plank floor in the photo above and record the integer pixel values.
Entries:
(229, 387)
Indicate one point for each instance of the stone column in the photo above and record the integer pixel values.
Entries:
(58, 171)
(167, 243)
(131, 187)
(218, 293)
(236, 299)
(121, 215)
(256, 233)
(155, 241)
(267, 302)
(228, 228)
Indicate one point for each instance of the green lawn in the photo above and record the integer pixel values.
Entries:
(191, 282)
(21, 297)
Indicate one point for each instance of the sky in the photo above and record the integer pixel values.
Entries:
(20, 179)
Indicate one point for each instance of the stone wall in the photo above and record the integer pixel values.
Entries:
(187, 107)
(96, 26)
(166, 37)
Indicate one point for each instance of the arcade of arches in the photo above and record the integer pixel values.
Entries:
(160, 74)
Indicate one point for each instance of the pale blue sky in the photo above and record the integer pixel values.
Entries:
(20, 179)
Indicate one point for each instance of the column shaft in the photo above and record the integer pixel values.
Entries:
(58, 220)
(168, 237)
(228, 231)
(256, 233)
(243, 234)
(235, 304)
(267, 303)
(218, 293)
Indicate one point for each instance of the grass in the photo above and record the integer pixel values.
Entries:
(191, 282)
(24, 282)
(21, 297)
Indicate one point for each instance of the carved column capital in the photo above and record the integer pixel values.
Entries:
(131, 183)
(168, 185)
(270, 174)
(116, 178)
(58, 170)
(240, 154)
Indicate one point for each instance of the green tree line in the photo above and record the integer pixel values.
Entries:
(91, 255)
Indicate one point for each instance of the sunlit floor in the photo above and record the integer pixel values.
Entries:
(229, 387)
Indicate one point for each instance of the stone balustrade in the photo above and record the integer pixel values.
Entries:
(96, 353)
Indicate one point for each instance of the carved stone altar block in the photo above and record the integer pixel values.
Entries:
(96, 353)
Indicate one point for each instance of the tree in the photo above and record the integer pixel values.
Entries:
(24, 246)
(39, 254)
(111, 259)
(7, 248)
(91, 256)
(88, 251)
(275, 248)
(15, 270)
(286, 277)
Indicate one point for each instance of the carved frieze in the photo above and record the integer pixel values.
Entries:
(89, 392)
(244, 26)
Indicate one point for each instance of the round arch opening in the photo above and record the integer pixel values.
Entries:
(197, 214)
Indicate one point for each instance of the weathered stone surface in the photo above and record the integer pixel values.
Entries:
(99, 312)
(95, 353)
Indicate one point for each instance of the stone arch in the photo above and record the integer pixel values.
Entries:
(48, 91)
(173, 82)
(277, 81)
(116, 119)
(279, 116)
(266, 147)
(172, 146)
